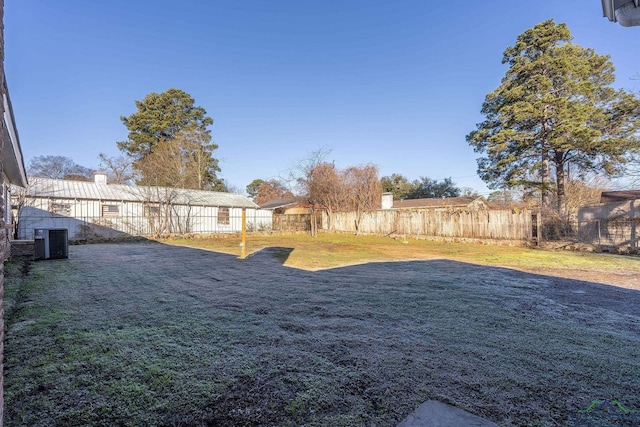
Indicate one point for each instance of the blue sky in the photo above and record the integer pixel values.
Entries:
(398, 84)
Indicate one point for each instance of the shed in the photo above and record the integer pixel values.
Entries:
(294, 214)
(95, 209)
(295, 205)
(613, 221)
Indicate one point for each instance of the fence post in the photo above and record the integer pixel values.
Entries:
(633, 218)
(538, 226)
(244, 234)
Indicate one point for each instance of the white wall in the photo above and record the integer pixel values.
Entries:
(85, 219)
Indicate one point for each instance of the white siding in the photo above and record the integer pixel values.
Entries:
(85, 219)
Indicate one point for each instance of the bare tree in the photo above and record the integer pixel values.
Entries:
(164, 167)
(302, 176)
(363, 190)
(325, 186)
(58, 167)
(632, 171)
(119, 169)
(199, 165)
(581, 192)
(181, 162)
(271, 190)
(299, 175)
(331, 189)
(231, 188)
(158, 208)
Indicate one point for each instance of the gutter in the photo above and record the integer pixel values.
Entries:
(14, 165)
(625, 12)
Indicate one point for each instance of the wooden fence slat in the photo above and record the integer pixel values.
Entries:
(473, 224)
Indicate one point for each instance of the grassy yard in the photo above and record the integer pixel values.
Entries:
(337, 250)
(160, 335)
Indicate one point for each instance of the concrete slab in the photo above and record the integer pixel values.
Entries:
(437, 414)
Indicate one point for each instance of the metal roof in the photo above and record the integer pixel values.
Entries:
(619, 196)
(89, 190)
(284, 202)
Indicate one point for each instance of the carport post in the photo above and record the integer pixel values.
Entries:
(244, 234)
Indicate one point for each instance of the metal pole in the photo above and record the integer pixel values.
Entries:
(634, 235)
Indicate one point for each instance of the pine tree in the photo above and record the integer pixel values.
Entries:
(555, 107)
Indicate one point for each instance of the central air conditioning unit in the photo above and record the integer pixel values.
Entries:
(51, 243)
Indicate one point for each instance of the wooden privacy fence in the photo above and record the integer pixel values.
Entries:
(458, 223)
(295, 222)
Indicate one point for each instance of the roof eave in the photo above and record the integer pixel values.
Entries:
(13, 161)
(624, 12)
(608, 10)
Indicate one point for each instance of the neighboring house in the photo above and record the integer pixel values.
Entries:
(613, 205)
(434, 203)
(295, 205)
(619, 196)
(100, 210)
(293, 214)
(12, 173)
(613, 221)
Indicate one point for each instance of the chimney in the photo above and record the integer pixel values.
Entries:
(387, 200)
(100, 178)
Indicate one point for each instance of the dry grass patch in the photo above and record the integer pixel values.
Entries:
(337, 250)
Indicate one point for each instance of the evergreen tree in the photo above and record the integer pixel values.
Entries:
(170, 144)
(555, 107)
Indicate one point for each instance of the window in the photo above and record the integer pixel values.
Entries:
(110, 210)
(151, 211)
(223, 216)
(60, 208)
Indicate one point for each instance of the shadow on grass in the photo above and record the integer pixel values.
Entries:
(151, 334)
(280, 254)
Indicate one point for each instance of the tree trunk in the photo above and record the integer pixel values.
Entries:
(313, 225)
(546, 179)
(560, 183)
(545, 173)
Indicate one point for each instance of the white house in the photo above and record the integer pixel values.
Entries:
(101, 210)
(475, 202)
(12, 174)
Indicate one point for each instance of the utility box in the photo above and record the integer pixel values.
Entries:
(51, 243)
